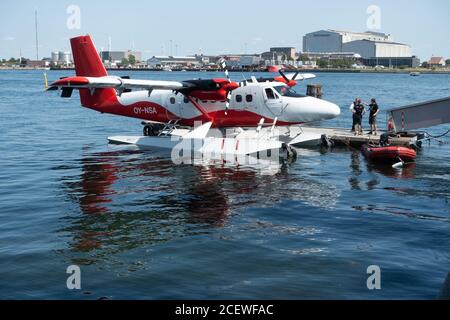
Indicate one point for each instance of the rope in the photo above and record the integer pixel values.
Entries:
(439, 136)
(430, 137)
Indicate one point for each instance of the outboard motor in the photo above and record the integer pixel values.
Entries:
(326, 142)
(384, 140)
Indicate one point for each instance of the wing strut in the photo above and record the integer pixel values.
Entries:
(199, 108)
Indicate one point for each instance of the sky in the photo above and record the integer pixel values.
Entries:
(214, 27)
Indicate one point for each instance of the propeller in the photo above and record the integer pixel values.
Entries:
(223, 64)
(290, 82)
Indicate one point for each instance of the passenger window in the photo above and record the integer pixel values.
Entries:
(238, 98)
(172, 100)
(270, 95)
(249, 98)
(186, 100)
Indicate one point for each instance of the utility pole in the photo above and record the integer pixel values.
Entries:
(109, 49)
(36, 29)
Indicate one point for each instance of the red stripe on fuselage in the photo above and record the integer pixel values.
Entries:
(154, 112)
(140, 110)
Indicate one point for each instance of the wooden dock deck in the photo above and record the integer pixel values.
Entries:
(344, 137)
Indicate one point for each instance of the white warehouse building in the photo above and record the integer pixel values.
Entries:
(367, 44)
(377, 49)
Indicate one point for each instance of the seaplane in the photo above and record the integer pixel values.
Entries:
(220, 116)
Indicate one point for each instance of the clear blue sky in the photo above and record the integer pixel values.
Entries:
(216, 27)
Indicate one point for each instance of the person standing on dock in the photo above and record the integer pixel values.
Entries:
(374, 110)
(352, 109)
(358, 112)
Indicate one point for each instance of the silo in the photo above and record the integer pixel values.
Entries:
(67, 57)
(55, 56)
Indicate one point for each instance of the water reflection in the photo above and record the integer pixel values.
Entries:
(131, 198)
(445, 291)
(407, 172)
(393, 210)
(355, 166)
(375, 169)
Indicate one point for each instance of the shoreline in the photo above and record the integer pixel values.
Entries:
(382, 71)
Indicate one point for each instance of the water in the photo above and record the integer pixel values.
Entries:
(141, 228)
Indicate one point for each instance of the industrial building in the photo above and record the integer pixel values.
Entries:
(332, 55)
(170, 61)
(61, 58)
(371, 46)
(393, 62)
(377, 49)
(290, 53)
(272, 58)
(37, 63)
(333, 40)
(249, 61)
(116, 57)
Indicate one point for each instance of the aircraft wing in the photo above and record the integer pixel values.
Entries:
(115, 83)
(210, 89)
(290, 79)
(301, 76)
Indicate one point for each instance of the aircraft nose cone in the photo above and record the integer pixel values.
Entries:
(331, 110)
(335, 110)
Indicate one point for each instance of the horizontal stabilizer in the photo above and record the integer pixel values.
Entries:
(66, 92)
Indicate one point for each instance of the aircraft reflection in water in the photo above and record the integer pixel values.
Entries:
(130, 198)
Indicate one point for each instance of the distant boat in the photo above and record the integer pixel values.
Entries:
(415, 74)
(167, 68)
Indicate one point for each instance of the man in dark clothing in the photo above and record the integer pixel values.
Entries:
(358, 112)
(352, 109)
(374, 110)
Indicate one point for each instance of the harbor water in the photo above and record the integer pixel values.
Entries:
(140, 227)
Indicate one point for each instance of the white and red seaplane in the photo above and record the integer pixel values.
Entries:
(249, 110)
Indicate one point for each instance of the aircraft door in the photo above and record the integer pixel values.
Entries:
(273, 102)
(174, 107)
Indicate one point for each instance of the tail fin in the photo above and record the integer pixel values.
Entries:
(88, 64)
(86, 58)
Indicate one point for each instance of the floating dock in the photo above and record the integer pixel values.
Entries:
(343, 137)
(305, 136)
(404, 119)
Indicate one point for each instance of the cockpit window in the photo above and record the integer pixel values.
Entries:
(287, 92)
(270, 94)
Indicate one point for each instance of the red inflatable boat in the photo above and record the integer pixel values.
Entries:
(389, 154)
